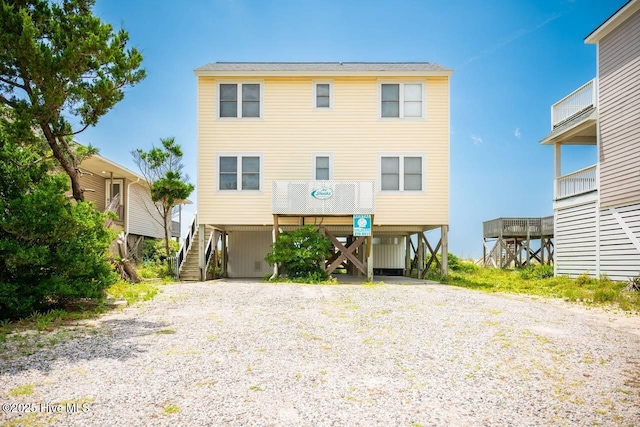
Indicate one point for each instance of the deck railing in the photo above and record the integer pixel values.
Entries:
(576, 102)
(323, 197)
(518, 227)
(575, 183)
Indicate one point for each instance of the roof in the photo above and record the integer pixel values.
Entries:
(104, 167)
(612, 22)
(323, 68)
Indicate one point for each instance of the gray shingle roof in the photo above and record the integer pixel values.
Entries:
(322, 66)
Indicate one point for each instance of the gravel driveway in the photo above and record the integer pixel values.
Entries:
(245, 353)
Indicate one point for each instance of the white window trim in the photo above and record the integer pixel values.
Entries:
(239, 98)
(314, 91)
(401, 156)
(423, 116)
(107, 190)
(313, 164)
(239, 156)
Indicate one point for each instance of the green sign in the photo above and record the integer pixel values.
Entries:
(362, 225)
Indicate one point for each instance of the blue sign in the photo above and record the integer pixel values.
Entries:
(362, 225)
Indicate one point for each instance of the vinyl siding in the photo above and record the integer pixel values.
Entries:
(95, 187)
(291, 130)
(389, 255)
(246, 252)
(144, 220)
(575, 240)
(619, 109)
(619, 257)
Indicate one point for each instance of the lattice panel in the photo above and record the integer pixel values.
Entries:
(332, 197)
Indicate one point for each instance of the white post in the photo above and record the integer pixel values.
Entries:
(557, 168)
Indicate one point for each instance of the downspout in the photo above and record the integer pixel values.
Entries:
(126, 217)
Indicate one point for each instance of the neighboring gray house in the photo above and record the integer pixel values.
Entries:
(597, 209)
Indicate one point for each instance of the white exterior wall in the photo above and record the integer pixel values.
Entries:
(386, 254)
(247, 250)
(575, 240)
(144, 220)
(620, 242)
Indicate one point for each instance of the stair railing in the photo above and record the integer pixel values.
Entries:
(186, 244)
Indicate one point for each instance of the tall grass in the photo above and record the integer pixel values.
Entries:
(539, 280)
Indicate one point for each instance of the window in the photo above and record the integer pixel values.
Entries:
(239, 171)
(401, 173)
(113, 188)
(322, 95)
(239, 99)
(322, 166)
(403, 100)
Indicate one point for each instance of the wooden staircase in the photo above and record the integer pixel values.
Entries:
(190, 271)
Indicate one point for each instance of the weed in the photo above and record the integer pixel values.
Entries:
(21, 390)
(256, 388)
(165, 331)
(171, 408)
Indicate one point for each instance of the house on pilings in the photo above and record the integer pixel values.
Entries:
(349, 147)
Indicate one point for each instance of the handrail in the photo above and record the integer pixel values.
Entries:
(186, 243)
(112, 208)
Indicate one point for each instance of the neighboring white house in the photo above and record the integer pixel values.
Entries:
(597, 209)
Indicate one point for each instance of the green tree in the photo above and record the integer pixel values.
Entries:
(52, 250)
(162, 169)
(60, 64)
(300, 253)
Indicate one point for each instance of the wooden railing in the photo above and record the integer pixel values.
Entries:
(518, 227)
(186, 244)
(576, 102)
(575, 183)
(113, 207)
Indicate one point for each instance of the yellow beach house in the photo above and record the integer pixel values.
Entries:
(359, 149)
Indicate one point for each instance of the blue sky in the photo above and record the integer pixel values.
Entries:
(511, 59)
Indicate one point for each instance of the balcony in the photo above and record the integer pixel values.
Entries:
(518, 227)
(579, 182)
(580, 100)
(323, 197)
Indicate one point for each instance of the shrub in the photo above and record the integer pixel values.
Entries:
(153, 250)
(52, 251)
(300, 253)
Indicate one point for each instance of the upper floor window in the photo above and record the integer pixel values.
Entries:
(401, 173)
(239, 172)
(240, 99)
(402, 100)
(322, 95)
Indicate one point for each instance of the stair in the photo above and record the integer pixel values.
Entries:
(190, 271)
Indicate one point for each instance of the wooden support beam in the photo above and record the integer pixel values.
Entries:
(225, 253)
(444, 267)
(407, 256)
(345, 253)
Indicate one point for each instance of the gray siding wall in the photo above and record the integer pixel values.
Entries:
(247, 250)
(575, 240)
(619, 255)
(619, 109)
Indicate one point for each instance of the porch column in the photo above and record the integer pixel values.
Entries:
(225, 254)
(407, 256)
(420, 254)
(369, 255)
(274, 238)
(557, 168)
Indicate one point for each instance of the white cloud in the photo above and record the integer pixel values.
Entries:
(517, 133)
(476, 139)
